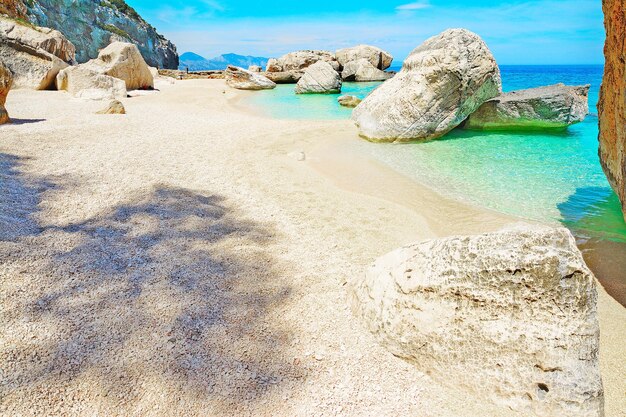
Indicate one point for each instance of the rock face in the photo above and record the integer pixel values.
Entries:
(552, 107)
(49, 40)
(114, 107)
(255, 68)
(84, 83)
(284, 77)
(377, 57)
(300, 60)
(510, 316)
(441, 83)
(124, 61)
(31, 67)
(349, 101)
(13, 8)
(6, 80)
(612, 104)
(319, 78)
(362, 70)
(91, 25)
(241, 79)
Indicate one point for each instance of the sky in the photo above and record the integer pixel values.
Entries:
(517, 32)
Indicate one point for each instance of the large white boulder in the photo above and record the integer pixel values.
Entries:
(441, 83)
(49, 40)
(508, 316)
(319, 78)
(31, 67)
(377, 57)
(242, 79)
(362, 70)
(551, 107)
(300, 60)
(124, 61)
(6, 80)
(84, 83)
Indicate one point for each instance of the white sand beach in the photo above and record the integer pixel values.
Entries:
(191, 258)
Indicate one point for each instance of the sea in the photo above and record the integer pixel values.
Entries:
(552, 177)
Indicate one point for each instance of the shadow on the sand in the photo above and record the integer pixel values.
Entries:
(15, 121)
(19, 199)
(171, 299)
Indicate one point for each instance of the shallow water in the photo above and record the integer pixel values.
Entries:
(554, 177)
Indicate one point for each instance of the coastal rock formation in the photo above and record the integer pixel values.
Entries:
(319, 78)
(124, 61)
(114, 107)
(612, 104)
(441, 83)
(300, 60)
(31, 67)
(49, 40)
(510, 316)
(241, 79)
(284, 77)
(255, 68)
(85, 83)
(349, 101)
(13, 8)
(91, 25)
(552, 107)
(6, 80)
(377, 57)
(362, 70)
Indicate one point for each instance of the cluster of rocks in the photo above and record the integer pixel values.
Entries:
(320, 72)
(43, 59)
(509, 316)
(452, 77)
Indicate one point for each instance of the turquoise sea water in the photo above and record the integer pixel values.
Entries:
(549, 177)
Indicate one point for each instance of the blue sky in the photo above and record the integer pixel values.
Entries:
(522, 32)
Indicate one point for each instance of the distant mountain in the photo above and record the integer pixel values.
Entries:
(196, 62)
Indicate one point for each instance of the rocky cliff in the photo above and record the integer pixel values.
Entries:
(612, 105)
(92, 24)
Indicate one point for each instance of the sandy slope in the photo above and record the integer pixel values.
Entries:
(181, 260)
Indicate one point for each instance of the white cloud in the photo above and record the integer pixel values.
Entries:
(417, 5)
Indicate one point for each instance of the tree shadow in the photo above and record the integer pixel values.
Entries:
(19, 199)
(594, 216)
(171, 300)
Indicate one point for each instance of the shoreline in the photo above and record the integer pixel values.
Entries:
(129, 188)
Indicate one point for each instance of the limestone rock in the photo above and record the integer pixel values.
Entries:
(441, 83)
(92, 24)
(31, 67)
(319, 78)
(552, 107)
(6, 80)
(377, 57)
(114, 107)
(362, 70)
(300, 60)
(255, 68)
(612, 104)
(509, 316)
(284, 77)
(124, 61)
(84, 83)
(349, 101)
(49, 40)
(241, 79)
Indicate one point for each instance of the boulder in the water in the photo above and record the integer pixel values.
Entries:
(441, 83)
(551, 107)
